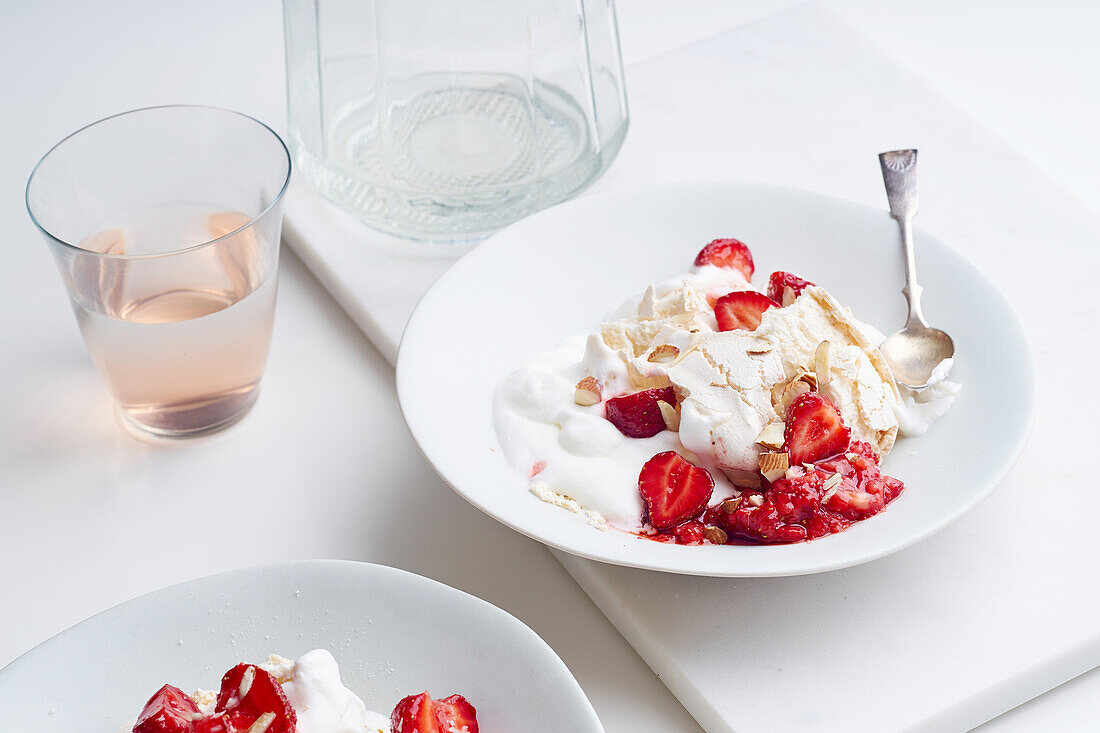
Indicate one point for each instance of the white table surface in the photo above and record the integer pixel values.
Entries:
(90, 517)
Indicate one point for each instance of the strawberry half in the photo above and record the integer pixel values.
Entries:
(741, 309)
(780, 281)
(421, 714)
(169, 710)
(814, 430)
(414, 714)
(673, 489)
(247, 692)
(455, 713)
(727, 253)
(637, 415)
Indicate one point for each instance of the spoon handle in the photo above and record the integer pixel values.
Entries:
(899, 173)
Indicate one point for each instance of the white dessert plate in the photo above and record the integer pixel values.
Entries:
(393, 633)
(559, 272)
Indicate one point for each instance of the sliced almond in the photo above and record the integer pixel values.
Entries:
(759, 347)
(771, 436)
(788, 295)
(729, 506)
(789, 393)
(756, 499)
(716, 535)
(808, 377)
(671, 416)
(794, 472)
(831, 485)
(663, 354)
(589, 392)
(773, 465)
(246, 681)
(823, 363)
(262, 723)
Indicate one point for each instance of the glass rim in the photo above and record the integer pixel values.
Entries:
(156, 255)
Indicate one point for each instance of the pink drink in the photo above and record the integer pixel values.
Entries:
(182, 348)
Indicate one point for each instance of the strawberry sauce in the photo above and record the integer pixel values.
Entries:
(806, 506)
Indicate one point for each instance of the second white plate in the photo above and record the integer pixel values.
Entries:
(559, 272)
(393, 633)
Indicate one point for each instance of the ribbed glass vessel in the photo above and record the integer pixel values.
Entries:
(446, 120)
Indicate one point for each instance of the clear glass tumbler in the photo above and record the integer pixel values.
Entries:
(446, 119)
(164, 223)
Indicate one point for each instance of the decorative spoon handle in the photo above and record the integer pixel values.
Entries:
(899, 173)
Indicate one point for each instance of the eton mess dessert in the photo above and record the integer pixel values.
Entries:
(306, 696)
(708, 412)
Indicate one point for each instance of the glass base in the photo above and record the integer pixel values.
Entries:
(459, 162)
(190, 420)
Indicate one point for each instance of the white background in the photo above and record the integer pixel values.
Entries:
(324, 467)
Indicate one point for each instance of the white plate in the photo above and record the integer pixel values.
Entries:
(559, 272)
(393, 633)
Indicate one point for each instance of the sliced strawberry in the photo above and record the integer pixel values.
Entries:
(727, 253)
(414, 714)
(637, 415)
(455, 714)
(690, 533)
(780, 281)
(169, 710)
(815, 430)
(741, 309)
(247, 692)
(673, 489)
(217, 723)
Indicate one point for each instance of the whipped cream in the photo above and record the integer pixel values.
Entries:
(729, 384)
(920, 408)
(323, 704)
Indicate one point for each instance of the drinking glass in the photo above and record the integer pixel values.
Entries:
(446, 120)
(164, 223)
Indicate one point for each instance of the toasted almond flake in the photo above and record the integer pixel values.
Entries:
(822, 363)
(716, 535)
(831, 489)
(851, 456)
(794, 472)
(262, 723)
(788, 295)
(589, 392)
(729, 506)
(670, 414)
(789, 393)
(832, 482)
(756, 499)
(759, 347)
(771, 436)
(773, 465)
(246, 680)
(663, 353)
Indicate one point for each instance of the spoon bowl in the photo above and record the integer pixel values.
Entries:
(914, 353)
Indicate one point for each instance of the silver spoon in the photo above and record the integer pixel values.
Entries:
(914, 352)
